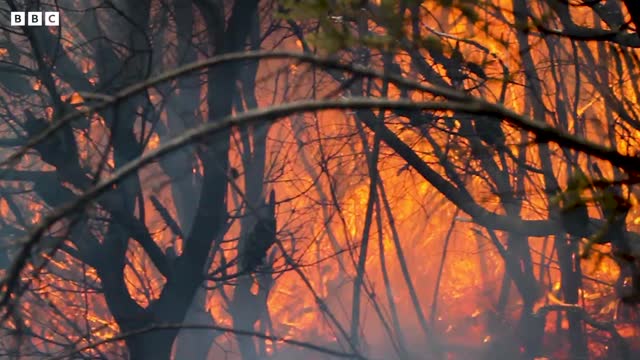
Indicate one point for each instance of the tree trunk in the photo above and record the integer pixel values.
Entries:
(154, 345)
(568, 258)
(195, 344)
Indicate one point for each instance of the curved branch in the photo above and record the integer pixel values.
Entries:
(201, 132)
(477, 105)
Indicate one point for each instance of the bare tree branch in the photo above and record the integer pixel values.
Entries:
(201, 132)
(474, 105)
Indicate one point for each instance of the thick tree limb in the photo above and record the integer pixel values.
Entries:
(200, 133)
(476, 105)
(633, 6)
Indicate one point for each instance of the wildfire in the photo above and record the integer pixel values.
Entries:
(319, 165)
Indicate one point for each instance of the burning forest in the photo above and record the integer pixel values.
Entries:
(321, 179)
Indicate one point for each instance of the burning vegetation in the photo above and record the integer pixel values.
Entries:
(244, 179)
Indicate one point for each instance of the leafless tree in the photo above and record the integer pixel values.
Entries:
(154, 204)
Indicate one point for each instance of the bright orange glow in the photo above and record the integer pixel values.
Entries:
(317, 165)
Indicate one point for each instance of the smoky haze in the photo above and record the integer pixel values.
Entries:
(345, 179)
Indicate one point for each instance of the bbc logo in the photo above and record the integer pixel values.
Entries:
(35, 18)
